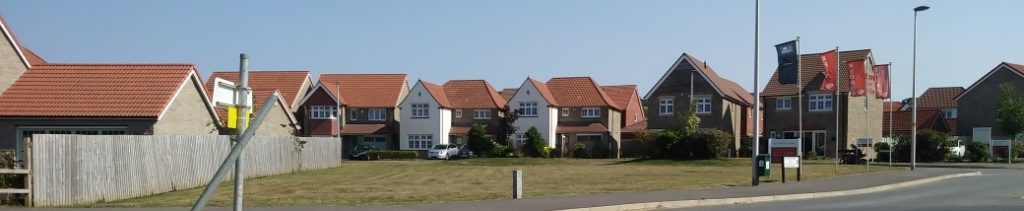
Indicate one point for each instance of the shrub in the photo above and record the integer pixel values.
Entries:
(976, 151)
(391, 155)
(931, 146)
(1018, 148)
(664, 143)
(580, 151)
(534, 144)
(879, 147)
(709, 144)
(478, 142)
(746, 147)
(500, 151)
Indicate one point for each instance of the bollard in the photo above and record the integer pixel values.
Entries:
(517, 184)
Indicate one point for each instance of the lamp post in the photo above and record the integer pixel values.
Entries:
(913, 89)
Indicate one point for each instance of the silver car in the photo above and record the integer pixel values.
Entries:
(443, 151)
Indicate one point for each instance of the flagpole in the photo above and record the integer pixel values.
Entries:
(888, 80)
(757, 100)
(836, 109)
(800, 98)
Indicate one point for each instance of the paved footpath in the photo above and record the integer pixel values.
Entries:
(595, 200)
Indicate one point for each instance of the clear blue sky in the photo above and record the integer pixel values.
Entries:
(616, 42)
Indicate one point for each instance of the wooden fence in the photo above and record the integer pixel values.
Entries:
(76, 169)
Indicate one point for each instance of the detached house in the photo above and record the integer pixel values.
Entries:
(472, 102)
(426, 117)
(586, 116)
(289, 86)
(720, 103)
(538, 109)
(942, 99)
(976, 106)
(926, 119)
(361, 108)
(633, 117)
(860, 117)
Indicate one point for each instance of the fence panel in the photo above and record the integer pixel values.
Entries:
(77, 169)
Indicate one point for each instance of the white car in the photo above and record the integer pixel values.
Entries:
(443, 151)
(957, 150)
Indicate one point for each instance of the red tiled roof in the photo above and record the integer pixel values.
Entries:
(544, 91)
(620, 94)
(472, 94)
(951, 125)
(356, 129)
(366, 90)
(902, 120)
(590, 128)
(438, 93)
(32, 57)
(288, 83)
(731, 90)
(892, 105)
(258, 98)
(95, 90)
(635, 127)
(579, 92)
(939, 97)
(1017, 67)
(811, 73)
(507, 93)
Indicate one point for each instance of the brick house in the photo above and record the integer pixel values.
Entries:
(720, 103)
(942, 99)
(860, 117)
(361, 108)
(587, 116)
(106, 99)
(976, 106)
(290, 86)
(926, 119)
(633, 117)
(472, 102)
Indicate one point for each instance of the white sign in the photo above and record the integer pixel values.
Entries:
(791, 162)
(783, 143)
(224, 93)
(999, 143)
(982, 134)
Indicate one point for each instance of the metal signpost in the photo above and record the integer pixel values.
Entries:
(1001, 144)
(791, 162)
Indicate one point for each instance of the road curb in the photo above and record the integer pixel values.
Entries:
(757, 199)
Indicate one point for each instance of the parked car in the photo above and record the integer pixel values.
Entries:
(958, 150)
(360, 152)
(443, 151)
(464, 152)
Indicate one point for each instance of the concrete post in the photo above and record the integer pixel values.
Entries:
(517, 184)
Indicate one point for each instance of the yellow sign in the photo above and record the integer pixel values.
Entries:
(233, 117)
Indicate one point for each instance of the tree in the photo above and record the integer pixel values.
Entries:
(1010, 111)
(508, 117)
(535, 145)
(478, 142)
(689, 121)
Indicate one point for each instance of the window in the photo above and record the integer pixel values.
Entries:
(636, 117)
(528, 108)
(565, 111)
(590, 113)
(820, 102)
(666, 106)
(864, 142)
(421, 110)
(784, 103)
(458, 113)
(377, 115)
(421, 141)
(703, 105)
(481, 114)
(949, 113)
(323, 112)
(353, 114)
(520, 138)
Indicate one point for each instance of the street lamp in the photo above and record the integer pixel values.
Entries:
(913, 89)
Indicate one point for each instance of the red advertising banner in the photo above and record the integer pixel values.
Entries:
(881, 81)
(857, 80)
(831, 70)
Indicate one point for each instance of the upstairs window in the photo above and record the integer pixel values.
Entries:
(820, 102)
(421, 110)
(377, 115)
(783, 103)
(703, 105)
(528, 108)
(458, 113)
(949, 113)
(590, 112)
(323, 112)
(353, 114)
(565, 111)
(666, 106)
(481, 114)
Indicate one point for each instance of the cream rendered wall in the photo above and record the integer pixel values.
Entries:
(546, 120)
(438, 123)
(11, 65)
(187, 114)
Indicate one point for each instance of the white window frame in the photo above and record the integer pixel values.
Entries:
(666, 106)
(528, 108)
(353, 114)
(481, 114)
(420, 141)
(323, 112)
(565, 112)
(784, 103)
(458, 113)
(377, 114)
(519, 138)
(949, 113)
(704, 105)
(590, 113)
(420, 110)
(820, 102)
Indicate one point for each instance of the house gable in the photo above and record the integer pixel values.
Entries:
(13, 62)
(1001, 67)
(188, 112)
